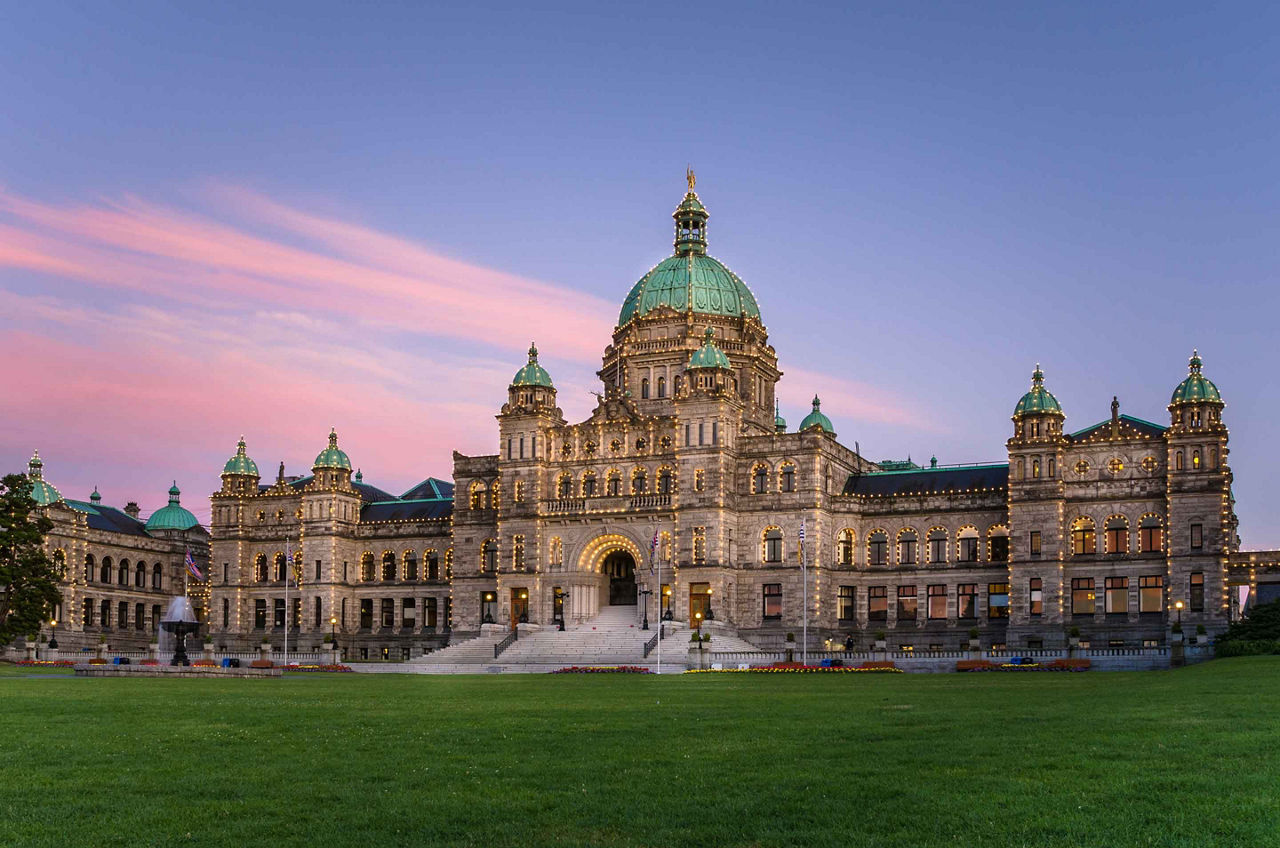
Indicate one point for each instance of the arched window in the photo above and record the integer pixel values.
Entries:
(366, 566)
(907, 544)
(639, 481)
(278, 566)
(1213, 458)
(1021, 467)
(495, 495)
(90, 566)
(157, 577)
(433, 564)
(759, 480)
(937, 545)
(140, 575)
(60, 562)
(517, 494)
(967, 544)
(644, 388)
(997, 543)
(1117, 535)
(448, 563)
(260, 568)
(773, 545)
(564, 486)
(1083, 537)
(615, 483)
(662, 387)
(1195, 460)
(1035, 469)
(588, 484)
(477, 495)
(844, 547)
(388, 565)
(123, 576)
(517, 552)
(556, 552)
(1177, 463)
(104, 574)
(1151, 534)
(878, 548)
(676, 384)
(664, 481)
(489, 556)
(787, 478)
(410, 565)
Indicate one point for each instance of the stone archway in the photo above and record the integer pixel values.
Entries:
(607, 570)
(620, 568)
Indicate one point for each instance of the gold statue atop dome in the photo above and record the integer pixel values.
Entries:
(690, 178)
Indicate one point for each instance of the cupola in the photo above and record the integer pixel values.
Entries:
(332, 456)
(709, 355)
(1038, 400)
(240, 474)
(43, 493)
(1196, 403)
(531, 388)
(816, 419)
(173, 516)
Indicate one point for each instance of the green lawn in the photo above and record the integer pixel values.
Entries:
(1185, 758)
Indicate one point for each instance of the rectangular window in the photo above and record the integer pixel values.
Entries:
(1149, 538)
(318, 622)
(1082, 596)
(699, 544)
(226, 613)
(999, 548)
(967, 600)
(702, 433)
(1117, 598)
(278, 617)
(366, 613)
(260, 613)
(938, 602)
(432, 612)
(1035, 543)
(937, 550)
(772, 593)
(906, 603)
(877, 550)
(845, 603)
(997, 600)
(1037, 596)
(448, 613)
(388, 612)
(907, 551)
(317, 571)
(877, 603)
(969, 550)
(1117, 540)
(1151, 593)
(1195, 595)
(225, 571)
(1197, 537)
(1083, 541)
(409, 613)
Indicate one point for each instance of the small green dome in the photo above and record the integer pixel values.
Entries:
(43, 493)
(532, 374)
(1038, 400)
(173, 516)
(779, 423)
(1196, 388)
(816, 419)
(690, 281)
(95, 498)
(332, 456)
(240, 463)
(709, 355)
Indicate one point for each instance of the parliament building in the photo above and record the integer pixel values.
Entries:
(686, 496)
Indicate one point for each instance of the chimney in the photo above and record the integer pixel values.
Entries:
(132, 510)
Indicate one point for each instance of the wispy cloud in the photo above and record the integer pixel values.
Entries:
(260, 317)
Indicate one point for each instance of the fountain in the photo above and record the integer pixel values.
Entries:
(176, 625)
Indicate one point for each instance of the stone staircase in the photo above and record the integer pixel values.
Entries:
(614, 637)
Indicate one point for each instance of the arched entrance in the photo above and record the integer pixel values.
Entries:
(620, 568)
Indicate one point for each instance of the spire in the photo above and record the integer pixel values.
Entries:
(174, 493)
(691, 221)
(1194, 364)
(1037, 378)
(35, 467)
(95, 498)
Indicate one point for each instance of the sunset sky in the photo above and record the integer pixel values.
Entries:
(270, 219)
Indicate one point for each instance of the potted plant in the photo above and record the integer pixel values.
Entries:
(974, 643)
(1073, 637)
(30, 646)
(1176, 632)
(1200, 634)
(790, 647)
(881, 644)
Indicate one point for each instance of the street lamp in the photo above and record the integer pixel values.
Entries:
(711, 616)
(667, 614)
(333, 626)
(53, 635)
(646, 593)
(697, 616)
(524, 608)
(1178, 606)
(557, 611)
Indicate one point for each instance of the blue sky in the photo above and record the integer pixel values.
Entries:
(927, 200)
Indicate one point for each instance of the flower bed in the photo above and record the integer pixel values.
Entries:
(149, 662)
(53, 663)
(313, 667)
(797, 668)
(1056, 665)
(602, 669)
(204, 664)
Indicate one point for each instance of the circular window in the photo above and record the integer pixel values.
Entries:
(566, 449)
(1082, 467)
(1149, 464)
(615, 445)
(589, 448)
(665, 442)
(641, 444)
(1116, 465)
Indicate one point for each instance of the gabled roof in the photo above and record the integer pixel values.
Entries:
(430, 489)
(406, 510)
(109, 519)
(1129, 428)
(929, 481)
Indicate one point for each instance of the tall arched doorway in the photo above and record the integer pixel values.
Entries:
(620, 568)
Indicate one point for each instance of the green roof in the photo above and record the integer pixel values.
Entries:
(779, 423)
(690, 281)
(532, 374)
(240, 463)
(709, 355)
(173, 516)
(1038, 400)
(43, 493)
(332, 456)
(816, 419)
(1196, 388)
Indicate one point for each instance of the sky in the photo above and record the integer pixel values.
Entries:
(273, 219)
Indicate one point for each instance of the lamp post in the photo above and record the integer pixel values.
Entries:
(1178, 606)
(53, 634)
(667, 614)
(557, 611)
(645, 593)
(524, 608)
(711, 616)
(697, 616)
(333, 627)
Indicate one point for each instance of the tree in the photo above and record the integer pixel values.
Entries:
(1263, 622)
(28, 582)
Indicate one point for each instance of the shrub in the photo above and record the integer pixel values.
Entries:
(880, 635)
(1262, 623)
(1247, 647)
(791, 637)
(1200, 631)
(1074, 631)
(973, 633)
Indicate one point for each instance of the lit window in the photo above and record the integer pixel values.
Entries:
(1083, 538)
(997, 600)
(1196, 593)
(937, 602)
(1082, 596)
(1151, 594)
(845, 603)
(1115, 465)
(772, 594)
(1037, 596)
(877, 603)
(1117, 597)
(1151, 535)
(967, 600)
(906, 603)
(773, 545)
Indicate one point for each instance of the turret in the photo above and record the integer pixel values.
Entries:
(531, 388)
(816, 420)
(173, 516)
(43, 493)
(240, 474)
(332, 468)
(709, 369)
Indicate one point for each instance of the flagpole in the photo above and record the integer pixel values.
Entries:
(288, 569)
(804, 582)
(660, 624)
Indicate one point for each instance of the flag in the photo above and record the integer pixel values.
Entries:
(192, 567)
(802, 540)
(290, 579)
(653, 550)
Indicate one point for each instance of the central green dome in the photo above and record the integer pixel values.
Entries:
(1197, 388)
(1038, 400)
(173, 516)
(690, 281)
(332, 456)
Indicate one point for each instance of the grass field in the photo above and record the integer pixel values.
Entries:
(1185, 758)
